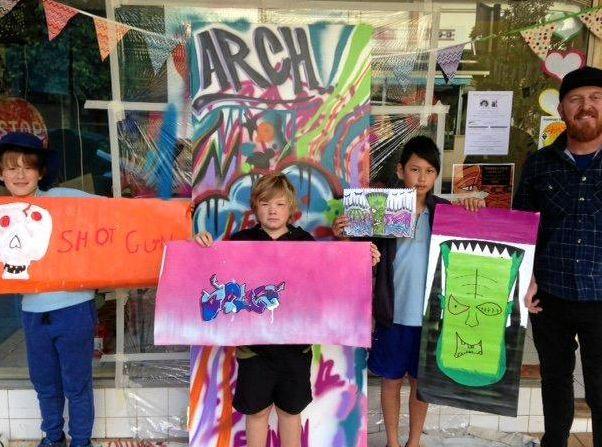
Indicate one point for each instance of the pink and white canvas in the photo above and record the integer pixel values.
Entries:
(242, 293)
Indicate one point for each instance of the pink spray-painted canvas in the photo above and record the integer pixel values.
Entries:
(241, 293)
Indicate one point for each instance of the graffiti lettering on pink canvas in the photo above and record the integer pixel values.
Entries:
(232, 297)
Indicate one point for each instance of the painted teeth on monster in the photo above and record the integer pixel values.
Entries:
(361, 201)
(479, 249)
(463, 347)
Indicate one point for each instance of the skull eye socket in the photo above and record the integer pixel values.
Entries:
(37, 216)
(4, 221)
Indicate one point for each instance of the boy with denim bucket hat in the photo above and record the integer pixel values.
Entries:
(59, 326)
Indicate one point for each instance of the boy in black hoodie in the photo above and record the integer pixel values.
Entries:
(277, 375)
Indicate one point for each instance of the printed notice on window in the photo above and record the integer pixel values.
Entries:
(488, 123)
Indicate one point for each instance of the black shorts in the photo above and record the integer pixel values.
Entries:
(266, 379)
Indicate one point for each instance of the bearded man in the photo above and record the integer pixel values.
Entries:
(563, 182)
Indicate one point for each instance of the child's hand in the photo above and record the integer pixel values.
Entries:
(473, 204)
(204, 239)
(338, 226)
(375, 254)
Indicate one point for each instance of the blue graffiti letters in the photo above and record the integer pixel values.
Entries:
(233, 297)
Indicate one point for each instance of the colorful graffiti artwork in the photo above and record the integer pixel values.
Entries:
(380, 212)
(480, 266)
(232, 297)
(291, 99)
(339, 388)
(322, 296)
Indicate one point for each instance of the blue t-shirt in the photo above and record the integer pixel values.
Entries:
(409, 277)
(583, 161)
(46, 302)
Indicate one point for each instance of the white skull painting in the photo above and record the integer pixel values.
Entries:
(25, 231)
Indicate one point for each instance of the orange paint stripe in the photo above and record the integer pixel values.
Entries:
(198, 381)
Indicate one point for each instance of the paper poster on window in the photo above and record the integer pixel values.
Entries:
(494, 180)
(55, 244)
(380, 212)
(549, 129)
(480, 266)
(488, 118)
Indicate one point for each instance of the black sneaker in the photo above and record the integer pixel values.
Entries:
(45, 442)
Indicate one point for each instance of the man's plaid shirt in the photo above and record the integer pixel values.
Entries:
(568, 259)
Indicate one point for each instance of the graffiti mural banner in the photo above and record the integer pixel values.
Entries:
(294, 99)
(480, 266)
(287, 98)
(53, 244)
(244, 293)
(380, 212)
(335, 417)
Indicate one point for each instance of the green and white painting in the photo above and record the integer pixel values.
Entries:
(480, 266)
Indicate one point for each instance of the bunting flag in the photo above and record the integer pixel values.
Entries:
(593, 21)
(449, 59)
(109, 34)
(159, 49)
(57, 17)
(180, 60)
(539, 38)
(403, 67)
(6, 6)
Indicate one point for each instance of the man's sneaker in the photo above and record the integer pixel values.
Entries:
(45, 442)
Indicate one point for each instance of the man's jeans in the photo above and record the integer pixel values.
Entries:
(60, 348)
(554, 331)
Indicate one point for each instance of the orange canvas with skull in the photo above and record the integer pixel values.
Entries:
(52, 244)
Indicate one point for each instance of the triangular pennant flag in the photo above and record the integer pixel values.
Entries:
(57, 16)
(6, 6)
(593, 21)
(109, 34)
(180, 60)
(449, 60)
(539, 38)
(403, 66)
(159, 49)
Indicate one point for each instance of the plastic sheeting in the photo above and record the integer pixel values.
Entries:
(156, 146)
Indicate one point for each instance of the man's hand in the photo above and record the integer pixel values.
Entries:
(532, 304)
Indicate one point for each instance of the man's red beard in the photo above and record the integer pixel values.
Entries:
(584, 132)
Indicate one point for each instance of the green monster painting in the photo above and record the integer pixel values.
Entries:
(378, 206)
(478, 281)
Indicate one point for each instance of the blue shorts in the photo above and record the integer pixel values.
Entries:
(395, 351)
